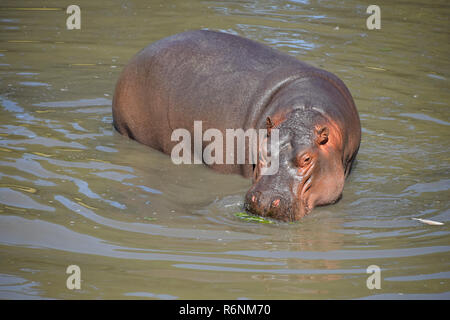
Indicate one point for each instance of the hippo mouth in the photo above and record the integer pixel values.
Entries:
(279, 206)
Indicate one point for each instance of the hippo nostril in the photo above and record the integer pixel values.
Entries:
(275, 203)
(253, 197)
(252, 201)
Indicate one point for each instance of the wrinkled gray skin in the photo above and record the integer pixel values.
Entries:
(317, 181)
(229, 82)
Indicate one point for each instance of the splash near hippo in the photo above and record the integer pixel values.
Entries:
(302, 117)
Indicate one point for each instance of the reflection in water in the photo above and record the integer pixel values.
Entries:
(72, 191)
(17, 288)
(153, 229)
(40, 234)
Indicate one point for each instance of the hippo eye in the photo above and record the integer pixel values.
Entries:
(303, 160)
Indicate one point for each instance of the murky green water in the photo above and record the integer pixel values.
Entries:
(72, 191)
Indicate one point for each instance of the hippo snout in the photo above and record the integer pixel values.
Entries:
(269, 205)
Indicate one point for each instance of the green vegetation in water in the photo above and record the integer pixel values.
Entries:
(251, 218)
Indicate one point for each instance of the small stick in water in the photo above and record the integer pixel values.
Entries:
(430, 222)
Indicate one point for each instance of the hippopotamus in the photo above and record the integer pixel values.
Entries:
(230, 82)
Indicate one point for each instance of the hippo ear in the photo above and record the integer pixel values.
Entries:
(322, 135)
(269, 125)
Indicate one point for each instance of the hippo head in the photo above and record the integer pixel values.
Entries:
(310, 167)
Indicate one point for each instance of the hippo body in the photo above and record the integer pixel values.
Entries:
(229, 82)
